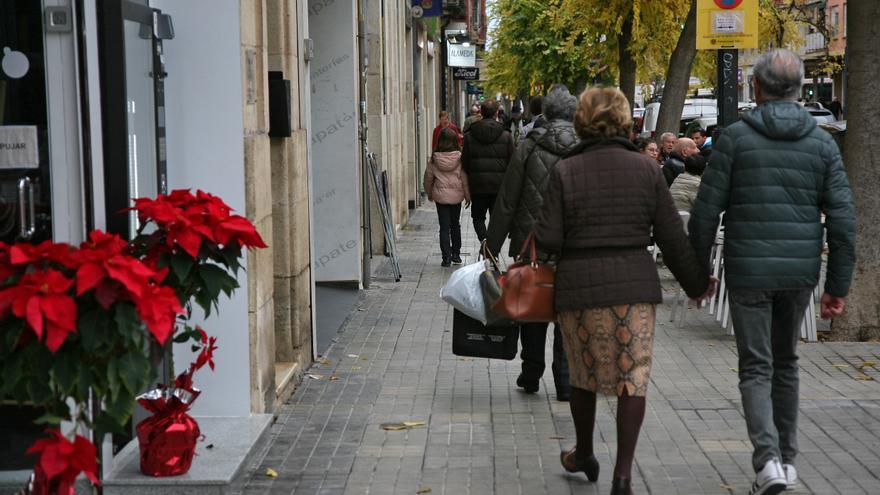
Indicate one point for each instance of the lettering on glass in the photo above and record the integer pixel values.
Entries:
(19, 147)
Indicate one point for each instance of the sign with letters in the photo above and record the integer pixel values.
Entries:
(727, 24)
(18, 147)
(461, 55)
(466, 74)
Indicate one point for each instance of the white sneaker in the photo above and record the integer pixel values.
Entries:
(770, 480)
(790, 476)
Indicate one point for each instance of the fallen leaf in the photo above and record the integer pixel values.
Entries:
(424, 490)
(864, 378)
(315, 377)
(465, 359)
(364, 359)
(711, 345)
(355, 368)
(414, 424)
(393, 426)
(727, 487)
(353, 356)
(840, 365)
(557, 438)
(333, 378)
(868, 364)
(323, 361)
(735, 370)
(271, 473)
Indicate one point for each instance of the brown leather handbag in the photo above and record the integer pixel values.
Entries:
(528, 289)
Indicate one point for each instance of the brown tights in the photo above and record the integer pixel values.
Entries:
(630, 413)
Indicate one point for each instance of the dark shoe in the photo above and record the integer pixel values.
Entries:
(588, 466)
(528, 386)
(456, 260)
(621, 486)
(445, 263)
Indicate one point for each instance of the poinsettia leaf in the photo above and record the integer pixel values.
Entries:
(181, 264)
(204, 301)
(86, 381)
(134, 369)
(107, 422)
(93, 329)
(214, 278)
(64, 372)
(10, 333)
(127, 321)
(38, 390)
(49, 419)
(113, 381)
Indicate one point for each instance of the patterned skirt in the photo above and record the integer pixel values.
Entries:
(609, 349)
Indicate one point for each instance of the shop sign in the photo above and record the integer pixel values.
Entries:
(466, 74)
(461, 55)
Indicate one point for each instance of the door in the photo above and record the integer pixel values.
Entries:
(41, 193)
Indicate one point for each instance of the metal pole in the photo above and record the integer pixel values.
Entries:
(728, 64)
(363, 48)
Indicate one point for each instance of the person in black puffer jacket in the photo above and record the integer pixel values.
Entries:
(674, 165)
(516, 209)
(487, 151)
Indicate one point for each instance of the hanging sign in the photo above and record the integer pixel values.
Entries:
(460, 55)
(466, 74)
(727, 24)
(18, 147)
(427, 8)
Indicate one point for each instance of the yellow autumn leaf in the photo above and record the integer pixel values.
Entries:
(868, 364)
(323, 361)
(413, 424)
(271, 473)
(840, 365)
(333, 378)
(424, 490)
(864, 378)
(393, 426)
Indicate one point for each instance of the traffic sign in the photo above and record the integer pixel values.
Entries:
(727, 24)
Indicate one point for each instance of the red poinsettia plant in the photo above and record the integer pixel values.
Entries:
(76, 321)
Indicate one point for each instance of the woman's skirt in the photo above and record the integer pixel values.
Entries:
(609, 349)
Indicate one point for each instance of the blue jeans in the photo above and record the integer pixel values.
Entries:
(767, 325)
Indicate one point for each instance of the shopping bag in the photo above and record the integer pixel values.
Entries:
(472, 338)
(462, 290)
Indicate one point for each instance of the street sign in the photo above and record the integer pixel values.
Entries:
(727, 24)
(461, 54)
(466, 74)
(474, 90)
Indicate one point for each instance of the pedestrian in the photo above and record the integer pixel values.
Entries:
(536, 107)
(515, 125)
(473, 117)
(701, 138)
(773, 174)
(443, 124)
(674, 165)
(685, 187)
(487, 150)
(518, 204)
(836, 108)
(600, 208)
(446, 184)
(667, 143)
(649, 148)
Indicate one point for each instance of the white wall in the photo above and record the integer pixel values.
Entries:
(334, 139)
(203, 97)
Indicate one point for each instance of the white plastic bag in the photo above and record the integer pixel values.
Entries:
(462, 290)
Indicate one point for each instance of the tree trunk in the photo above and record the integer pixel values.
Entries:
(861, 319)
(626, 62)
(678, 75)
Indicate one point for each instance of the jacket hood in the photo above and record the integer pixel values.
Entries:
(447, 161)
(558, 137)
(486, 131)
(781, 120)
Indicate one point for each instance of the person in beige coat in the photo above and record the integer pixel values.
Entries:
(446, 184)
(686, 186)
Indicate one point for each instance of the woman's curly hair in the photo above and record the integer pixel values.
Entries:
(602, 113)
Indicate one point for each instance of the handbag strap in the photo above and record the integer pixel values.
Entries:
(486, 253)
(530, 246)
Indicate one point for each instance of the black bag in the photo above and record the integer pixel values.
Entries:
(472, 338)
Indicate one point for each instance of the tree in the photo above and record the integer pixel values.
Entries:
(861, 319)
(678, 75)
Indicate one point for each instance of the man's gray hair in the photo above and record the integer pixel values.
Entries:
(666, 135)
(780, 73)
(559, 104)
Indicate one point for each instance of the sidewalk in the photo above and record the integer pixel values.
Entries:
(393, 362)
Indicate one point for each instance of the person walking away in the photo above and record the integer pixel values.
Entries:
(685, 187)
(836, 108)
(701, 138)
(667, 143)
(446, 184)
(443, 124)
(487, 151)
(536, 108)
(515, 125)
(773, 174)
(473, 117)
(518, 205)
(649, 148)
(601, 205)
(674, 165)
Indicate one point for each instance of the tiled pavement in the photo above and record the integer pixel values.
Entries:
(393, 362)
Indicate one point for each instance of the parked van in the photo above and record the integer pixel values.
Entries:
(692, 110)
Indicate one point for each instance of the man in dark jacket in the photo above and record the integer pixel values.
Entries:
(487, 150)
(774, 173)
(516, 209)
(674, 165)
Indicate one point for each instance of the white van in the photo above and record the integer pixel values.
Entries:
(692, 109)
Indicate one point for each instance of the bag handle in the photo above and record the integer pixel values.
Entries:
(530, 245)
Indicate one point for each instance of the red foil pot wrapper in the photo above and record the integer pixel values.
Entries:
(167, 439)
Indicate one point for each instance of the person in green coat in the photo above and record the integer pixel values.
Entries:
(774, 174)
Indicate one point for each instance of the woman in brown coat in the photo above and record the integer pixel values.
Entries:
(603, 202)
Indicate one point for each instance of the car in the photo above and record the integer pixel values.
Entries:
(837, 129)
(821, 115)
(692, 109)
